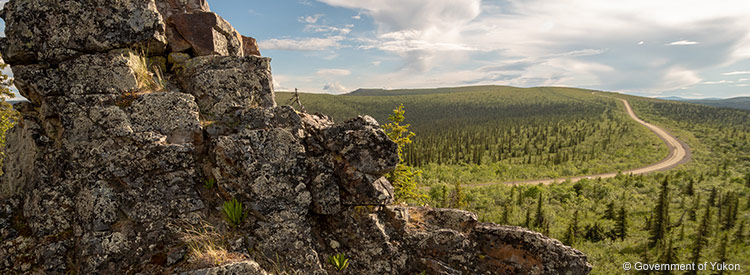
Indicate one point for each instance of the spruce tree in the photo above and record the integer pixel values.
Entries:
(609, 214)
(739, 235)
(722, 250)
(712, 197)
(457, 196)
(539, 221)
(506, 213)
(692, 211)
(528, 218)
(701, 235)
(621, 224)
(569, 237)
(730, 215)
(690, 188)
(403, 177)
(660, 222)
(669, 256)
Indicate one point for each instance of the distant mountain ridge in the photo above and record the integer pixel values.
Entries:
(397, 92)
(742, 103)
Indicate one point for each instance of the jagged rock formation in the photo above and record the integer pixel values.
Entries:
(133, 113)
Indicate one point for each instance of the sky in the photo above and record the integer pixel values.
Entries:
(687, 48)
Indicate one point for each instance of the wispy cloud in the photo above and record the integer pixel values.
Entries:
(310, 19)
(737, 73)
(718, 82)
(682, 43)
(302, 44)
(333, 72)
(329, 29)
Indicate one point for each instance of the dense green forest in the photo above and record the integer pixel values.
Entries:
(491, 133)
(698, 212)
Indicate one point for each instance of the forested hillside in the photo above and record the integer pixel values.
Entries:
(742, 103)
(698, 212)
(504, 133)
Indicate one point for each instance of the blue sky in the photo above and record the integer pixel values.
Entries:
(686, 48)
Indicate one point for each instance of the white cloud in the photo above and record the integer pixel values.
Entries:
(737, 73)
(717, 82)
(335, 88)
(397, 15)
(328, 29)
(678, 78)
(416, 30)
(302, 44)
(310, 19)
(333, 72)
(682, 43)
(560, 42)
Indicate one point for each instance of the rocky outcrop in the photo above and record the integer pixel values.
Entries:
(139, 129)
(52, 31)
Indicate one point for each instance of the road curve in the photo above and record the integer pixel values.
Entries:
(679, 153)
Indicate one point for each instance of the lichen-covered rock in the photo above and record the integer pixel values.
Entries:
(181, 126)
(515, 249)
(363, 145)
(110, 73)
(241, 268)
(408, 240)
(226, 84)
(40, 31)
(105, 176)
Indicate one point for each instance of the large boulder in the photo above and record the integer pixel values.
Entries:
(223, 85)
(207, 33)
(40, 31)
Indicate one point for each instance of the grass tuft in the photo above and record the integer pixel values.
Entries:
(233, 212)
(339, 261)
(208, 248)
(149, 78)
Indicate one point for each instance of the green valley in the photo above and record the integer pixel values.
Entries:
(696, 212)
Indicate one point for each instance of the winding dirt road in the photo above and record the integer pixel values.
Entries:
(679, 153)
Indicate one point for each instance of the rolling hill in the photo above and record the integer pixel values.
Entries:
(742, 103)
(509, 133)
